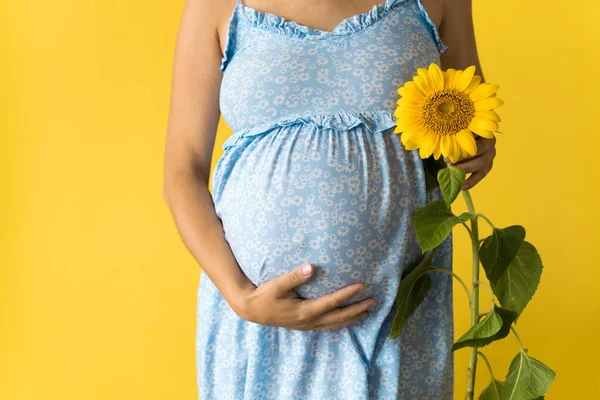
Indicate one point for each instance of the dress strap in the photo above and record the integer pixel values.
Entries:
(239, 2)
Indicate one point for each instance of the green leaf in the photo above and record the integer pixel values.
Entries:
(413, 289)
(518, 378)
(541, 379)
(451, 180)
(499, 249)
(517, 285)
(527, 378)
(434, 222)
(493, 391)
(495, 326)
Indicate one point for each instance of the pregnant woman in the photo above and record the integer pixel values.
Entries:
(308, 226)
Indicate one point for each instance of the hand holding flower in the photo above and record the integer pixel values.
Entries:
(478, 166)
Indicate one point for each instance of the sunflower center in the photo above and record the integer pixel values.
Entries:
(446, 108)
(447, 112)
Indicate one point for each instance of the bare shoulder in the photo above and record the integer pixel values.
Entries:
(210, 18)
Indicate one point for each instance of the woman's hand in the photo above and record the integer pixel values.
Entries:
(275, 303)
(479, 165)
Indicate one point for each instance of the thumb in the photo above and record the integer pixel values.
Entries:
(294, 278)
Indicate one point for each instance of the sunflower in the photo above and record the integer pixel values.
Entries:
(440, 111)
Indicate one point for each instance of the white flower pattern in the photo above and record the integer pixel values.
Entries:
(314, 173)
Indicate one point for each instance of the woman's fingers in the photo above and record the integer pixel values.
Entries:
(484, 144)
(276, 303)
(345, 315)
(329, 327)
(476, 177)
(286, 282)
(315, 308)
(480, 164)
(471, 165)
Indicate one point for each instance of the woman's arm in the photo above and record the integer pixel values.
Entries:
(192, 125)
(458, 33)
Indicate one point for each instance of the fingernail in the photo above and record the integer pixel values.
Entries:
(306, 269)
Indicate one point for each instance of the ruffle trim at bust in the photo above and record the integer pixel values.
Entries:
(350, 25)
(374, 121)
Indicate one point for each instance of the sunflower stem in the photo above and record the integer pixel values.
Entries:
(487, 220)
(488, 364)
(471, 372)
(445, 271)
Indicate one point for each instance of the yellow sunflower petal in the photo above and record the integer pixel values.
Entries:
(454, 149)
(481, 132)
(486, 134)
(487, 104)
(457, 75)
(409, 142)
(428, 145)
(466, 141)
(412, 89)
(405, 124)
(426, 83)
(422, 84)
(406, 116)
(408, 105)
(483, 91)
(436, 76)
(445, 144)
(413, 99)
(437, 152)
(483, 124)
(475, 81)
(489, 114)
(465, 78)
(449, 79)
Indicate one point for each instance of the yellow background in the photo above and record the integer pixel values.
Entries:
(97, 292)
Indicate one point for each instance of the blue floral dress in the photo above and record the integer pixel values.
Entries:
(314, 173)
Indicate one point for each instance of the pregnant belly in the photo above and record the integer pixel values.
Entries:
(342, 200)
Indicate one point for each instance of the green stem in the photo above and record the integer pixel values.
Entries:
(487, 220)
(429, 256)
(467, 228)
(489, 290)
(517, 336)
(457, 278)
(488, 364)
(471, 373)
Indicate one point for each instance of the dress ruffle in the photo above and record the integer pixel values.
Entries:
(350, 25)
(442, 48)
(374, 121)
(229, 44)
